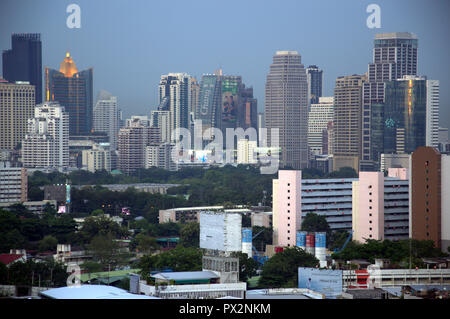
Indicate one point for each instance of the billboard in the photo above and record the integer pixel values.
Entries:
(230, 100)
(61, 209)
(325, 281)
(207, 103)
(67, 193)
(221, 231)
(126, 211)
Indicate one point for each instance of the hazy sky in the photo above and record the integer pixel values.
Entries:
(132, 43)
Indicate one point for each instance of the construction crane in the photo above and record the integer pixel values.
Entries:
(256, 255)
(345, 244)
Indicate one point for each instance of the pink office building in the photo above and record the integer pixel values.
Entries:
(368, 207)
(287, 197)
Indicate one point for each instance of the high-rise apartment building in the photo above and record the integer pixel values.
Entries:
(72, 89)
(175, 91)
(287, 203)
(314, 77)
(132, 143)
(46, 145)
(246, 152)
(394, 55)
(320, 115)
(347, 124)
(373, 206)
(23, 62)
(429, 187)
(161, 119)
(17, 102)
(160, 156)
(286, 108)
(96, 159)
(106, 117)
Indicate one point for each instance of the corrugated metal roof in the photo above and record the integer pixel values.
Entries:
(91, 292)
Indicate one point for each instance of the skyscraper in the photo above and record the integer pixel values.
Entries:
(231, 98)
(17, 102)
(410, 115)
(195, 92)
(132, 143)
(46, 145)
(394, 55)
(286, 108)
(247, 109)
(106, 117)
(175, 89)
(347, 122)
(320, 115)
(23, 62)
(73, 90)
(314, 77)
(209, 106)
(161, 119)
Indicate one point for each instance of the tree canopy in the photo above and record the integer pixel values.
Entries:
(281, 270)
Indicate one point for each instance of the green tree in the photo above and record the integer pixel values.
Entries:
(48, 243)
(146, 244)
(12, 239)
(49, 273)
(313, 222)
(106, 251)
(92, 266)
(97, 212)
(101, 225)
(247, 266)
(178, 259)
(190, 235)
(281, 271)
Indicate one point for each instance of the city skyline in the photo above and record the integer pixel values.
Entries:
(116, 50)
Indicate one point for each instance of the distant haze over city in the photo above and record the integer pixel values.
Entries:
(131, 44)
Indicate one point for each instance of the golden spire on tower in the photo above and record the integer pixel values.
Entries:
(68, 67)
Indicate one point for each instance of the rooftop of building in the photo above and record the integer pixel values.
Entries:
(286, 53)
(395, 35)
(186, 275)
(283, 293)
(9, 258)
(91, 292)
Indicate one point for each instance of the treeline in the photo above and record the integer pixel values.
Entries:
(400, 253)
(243, 184)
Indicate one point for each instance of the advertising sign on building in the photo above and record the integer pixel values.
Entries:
(325, 281)
(67, 193)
